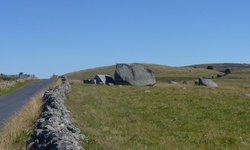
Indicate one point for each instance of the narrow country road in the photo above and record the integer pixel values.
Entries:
(14, 102)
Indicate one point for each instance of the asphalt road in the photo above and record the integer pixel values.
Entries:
(14, 102)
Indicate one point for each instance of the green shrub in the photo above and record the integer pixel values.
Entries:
(210, 67)
(227, 71)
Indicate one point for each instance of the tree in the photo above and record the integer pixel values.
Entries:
(210, 67)
(21, 73)
(227, 71)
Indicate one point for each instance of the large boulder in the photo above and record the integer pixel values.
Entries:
(133, 74)
(207, 82)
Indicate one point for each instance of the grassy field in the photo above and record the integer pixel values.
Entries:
(164, 116)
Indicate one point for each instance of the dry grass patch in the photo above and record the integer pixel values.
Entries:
(56, 82)
(19, 128)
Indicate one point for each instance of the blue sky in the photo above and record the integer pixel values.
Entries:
(45, 37)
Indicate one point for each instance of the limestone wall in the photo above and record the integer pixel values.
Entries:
(4, 84)
(54, 129)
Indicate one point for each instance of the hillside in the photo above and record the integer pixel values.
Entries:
(161, 72)
(223, 66)
(165, 115)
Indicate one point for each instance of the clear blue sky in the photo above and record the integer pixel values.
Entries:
(43, 37)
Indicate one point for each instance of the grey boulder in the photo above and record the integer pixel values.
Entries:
(134, 74)
(207, 82)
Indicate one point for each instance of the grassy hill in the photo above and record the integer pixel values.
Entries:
(163, 116)
(223, 66)
(161, 72)
(90, 73)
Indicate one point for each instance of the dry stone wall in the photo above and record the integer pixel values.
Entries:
(54, 129)
(4, 84)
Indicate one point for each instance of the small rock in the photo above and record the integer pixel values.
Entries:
(248, 94)
(185, 82)
(173, 82)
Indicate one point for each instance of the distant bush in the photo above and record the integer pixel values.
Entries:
(227, 71)
(210, 67)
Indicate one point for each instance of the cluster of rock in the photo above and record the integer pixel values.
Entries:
(135, 74)
(126, 74)
(200, 81)
(54, 129)
(100, 79)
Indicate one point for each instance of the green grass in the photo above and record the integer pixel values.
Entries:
(167, 117)
(7, 79)
(240, 74)
(12, 89)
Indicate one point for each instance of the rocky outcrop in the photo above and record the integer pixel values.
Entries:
(133, 74)
(54, 129)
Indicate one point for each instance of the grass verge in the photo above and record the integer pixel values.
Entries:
(19, 128)
(161, 117)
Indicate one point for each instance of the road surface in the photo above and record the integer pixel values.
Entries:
(14, 102)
